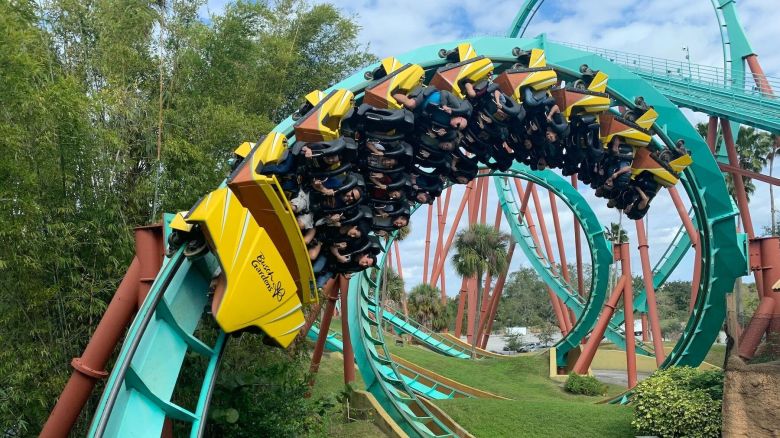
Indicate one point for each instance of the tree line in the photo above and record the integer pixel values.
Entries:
(112, 112)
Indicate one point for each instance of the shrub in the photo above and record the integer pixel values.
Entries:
(513, 342)
(680, 401)
(584, 385)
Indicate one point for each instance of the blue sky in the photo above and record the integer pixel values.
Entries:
(659, 28)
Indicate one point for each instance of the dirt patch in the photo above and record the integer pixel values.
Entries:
(750, 399)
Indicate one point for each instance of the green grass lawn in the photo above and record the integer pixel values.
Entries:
(329, 384)
(539, 406)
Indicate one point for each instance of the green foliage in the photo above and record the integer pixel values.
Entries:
(616, 233)
(263, 395)
(525, 301)
(754, 149)
(393, 287)
(425, 306)
(584, 385)
(479, 249)
(679, 401)
(79, 123)
(513, 342)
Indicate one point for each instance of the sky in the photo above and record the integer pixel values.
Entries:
(659, 28)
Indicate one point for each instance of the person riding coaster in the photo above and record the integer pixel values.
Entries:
(465, 70)
(384, 156)
(391, 77)
(433, 155)
(618, 167)
(324, 155)
(462, 168)
(431, 182)
(335, 200)
(635, 201)
(377, 123)
(395, 217)
(358, 259)
(530, 80)
(388, 186)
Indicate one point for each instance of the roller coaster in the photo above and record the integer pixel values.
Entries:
(390, 140)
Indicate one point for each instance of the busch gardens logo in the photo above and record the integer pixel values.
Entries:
(267, 275)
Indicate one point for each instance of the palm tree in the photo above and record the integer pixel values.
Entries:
(616, 233)
(479, 249)
(393, 288)
(426, 307)
(754, 149)
(387, 281)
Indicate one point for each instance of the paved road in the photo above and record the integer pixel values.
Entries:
(616, 377)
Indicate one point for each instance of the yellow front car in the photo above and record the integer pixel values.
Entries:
(255, 287)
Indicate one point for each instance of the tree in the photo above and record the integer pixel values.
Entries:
(546, 331)
(79, 126)
(479, 249)
(393, 288)
(425, 306)
(754, 149)
(525, 301)
(616, 233)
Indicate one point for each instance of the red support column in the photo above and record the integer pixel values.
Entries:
(331, 296)
(471, 305)
(443, 286)
(349, 356)
(427, 243)
(758, 75)
(483, 207)
(578, 247)
(401, 276)
(528, 217)
(550, 255)
(739, 188)
(694, 236)
(756, 328)
(314, 313)
(442, 221)
(739, 185)
(768, 268)
(496, 298)
(652, 306)
(90, 366)
(590, 348)
(561, 249)
(628, 313)
(454, 228)
(526, 196)
(150, 252)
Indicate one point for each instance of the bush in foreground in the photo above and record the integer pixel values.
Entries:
(584, 385)
(680, 401)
